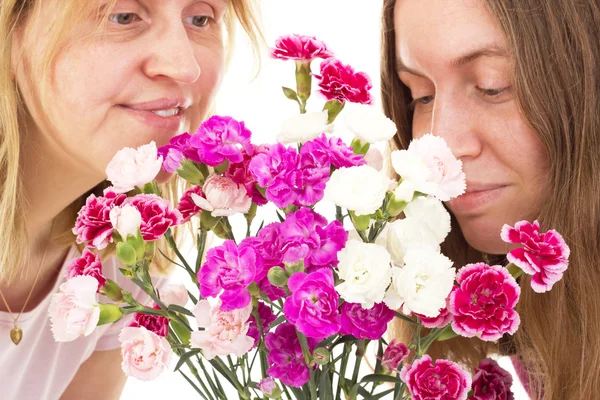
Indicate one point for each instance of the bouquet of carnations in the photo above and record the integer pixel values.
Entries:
(291, 309)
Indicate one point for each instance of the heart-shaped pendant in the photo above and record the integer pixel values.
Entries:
(16, 334)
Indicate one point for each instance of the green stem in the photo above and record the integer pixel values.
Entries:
(193, 385)
(201, 243)
(342, 382)
(308, 360)
(211, 383)
(173, 246)
(360, 352)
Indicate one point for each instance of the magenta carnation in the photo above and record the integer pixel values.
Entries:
(305, 235)
(393, 356)
(240, 173)
(157, 215)
(365, 323)
(154, 323)
(266, 243)
(483, 303)
(440, 380)
(230, 268)
(313, 305)
(543, 255)
(266, 318)
(333, 151)
(491, 382)
(299, 47)
(285, 358)
(311, 179)
(93, 220)
(88, 264)
(219, 139)
(186, 205)
(178, 149)
(276, 171)
(340, 82)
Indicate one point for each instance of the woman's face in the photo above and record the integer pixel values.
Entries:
(454, 58)
(150, 74)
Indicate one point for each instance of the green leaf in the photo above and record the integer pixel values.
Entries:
(290, 93)
(379, 378)
(325, 385)
(179, 309)
(377, 396)
(185, 357)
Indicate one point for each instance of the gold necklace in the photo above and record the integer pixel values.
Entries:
(16, 334)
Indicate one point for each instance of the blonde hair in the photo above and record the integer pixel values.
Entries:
(556, 50)
(14, 246)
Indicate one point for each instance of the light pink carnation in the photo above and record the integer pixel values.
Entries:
(431, 167)
(174, 293)
(157, 215)
(130, 167)
(440, 380)
(145, 354)
(93, 220)
(225, 332)
(543, 255)
(88, 264)
(483, 303)
(299, 47)
(223, 197)
(74, 311)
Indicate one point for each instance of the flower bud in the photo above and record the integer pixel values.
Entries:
(321, 356)
(109, 313)
(360, 146)
(291, 269)
(191, 173)
(112, 290)
(362, 222)
(277, 277)
(126, 254)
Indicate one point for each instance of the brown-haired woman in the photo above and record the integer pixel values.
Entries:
(514, 88)
(80, 80)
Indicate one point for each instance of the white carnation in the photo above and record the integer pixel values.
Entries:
(130, 167)
(409, 233)
(366, 271)
(369, 123)
(432, 213)
(304, 127)
(423, 284)
(360, 189)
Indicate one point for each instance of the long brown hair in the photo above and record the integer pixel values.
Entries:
(555, 46)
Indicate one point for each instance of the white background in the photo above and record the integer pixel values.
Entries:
(351, 29)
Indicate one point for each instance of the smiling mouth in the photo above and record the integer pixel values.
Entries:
(170, 112)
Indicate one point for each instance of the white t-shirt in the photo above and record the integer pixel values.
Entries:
(39, 368)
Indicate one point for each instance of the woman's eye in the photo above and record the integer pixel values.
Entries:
(199, 20)
(492, 92)
(123, 18)
(421, 100)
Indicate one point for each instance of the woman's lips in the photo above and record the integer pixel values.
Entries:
(477, 197)
(169, 118)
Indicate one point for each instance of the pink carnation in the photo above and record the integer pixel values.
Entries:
(145, 354)
(440, 380)
(365, 323)
(88, 264)
(240, 173)
(222, 197)
(443, 319)
(154, 323)
(219, 139)
(266, 318)
(157, 215)
(394, 354)
(340, 82)
(483, 303)
(186, 205)
(299, 47)
(93, 220)
(543, 255)
(313, 305)
(333, 151)
(491, 382)
(285, 358)
(231, 268)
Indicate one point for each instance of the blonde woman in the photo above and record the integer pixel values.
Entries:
(80, 80)
(514, 87)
